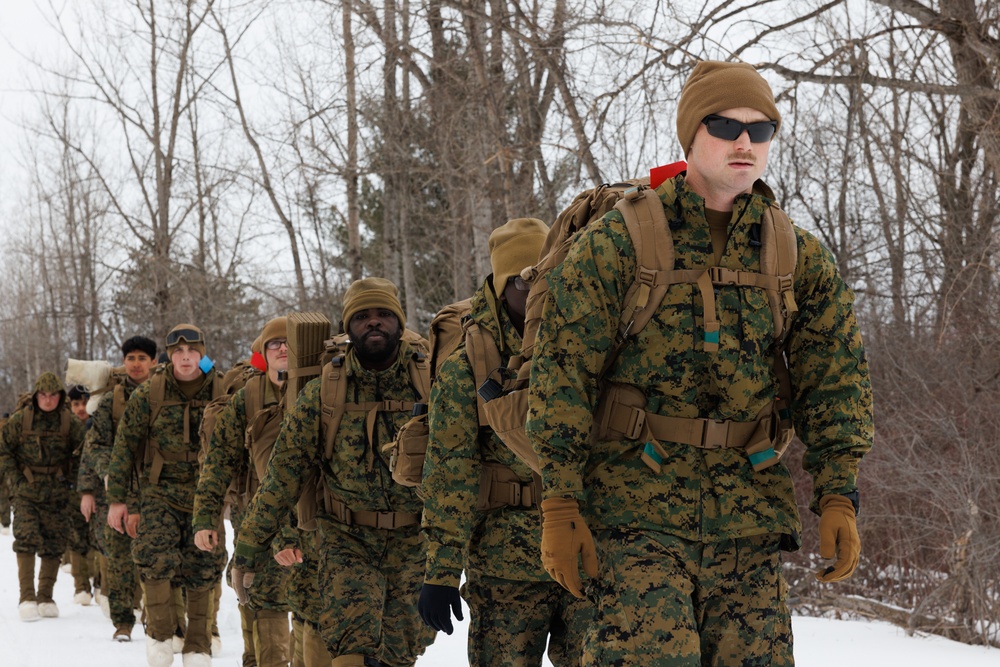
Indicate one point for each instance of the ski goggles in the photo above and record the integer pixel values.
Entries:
(729, 129)
(178, 336)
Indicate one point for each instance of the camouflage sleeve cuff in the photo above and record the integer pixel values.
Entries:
(245, 556)
(287, 538)
(444, 565)
(561, 480)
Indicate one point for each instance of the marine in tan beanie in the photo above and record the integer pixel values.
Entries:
(716, 86)
(514, 246)
(374, 333)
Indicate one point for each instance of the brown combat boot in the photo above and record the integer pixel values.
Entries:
(271, 638)
(26, 576)
(246, 624)
(160, 622)
(198, 639)
(47, 573)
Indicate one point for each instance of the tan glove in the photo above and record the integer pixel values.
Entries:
(838, 537)
(242, 580)
(565, 538)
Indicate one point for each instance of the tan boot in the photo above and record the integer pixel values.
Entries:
(314, 651)
(81, 572)
(160, 621)
(271, 638)
(295, 643)
(26, 576)
(246, 624)
(352, 660)
(197, 638)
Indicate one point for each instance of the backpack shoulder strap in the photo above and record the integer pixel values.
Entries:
(484, 356)
(419, 367)
(117, 406)
(779, 257)
(333, 400)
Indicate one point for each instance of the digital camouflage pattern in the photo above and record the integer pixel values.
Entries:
(41, 508)
(370, 578)
(117, 547)
(164, 548)
(689, 563)
(701, 495)
(227, 459)
(735, 617)
(513, 614)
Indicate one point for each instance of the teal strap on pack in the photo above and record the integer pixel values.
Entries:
(712, 337)
(650, 451)
(759, 457)
(784, 413)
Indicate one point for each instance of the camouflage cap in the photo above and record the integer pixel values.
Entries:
(49, 383)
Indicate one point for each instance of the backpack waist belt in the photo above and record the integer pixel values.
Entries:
(382, 520)
(702, 433)
(514, 494)
(160, 457)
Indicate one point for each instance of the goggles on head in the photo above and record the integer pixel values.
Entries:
(178, 336)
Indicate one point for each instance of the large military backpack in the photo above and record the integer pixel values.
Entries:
(27, 407)
(621, 408)
(410, 446)
(149, 455)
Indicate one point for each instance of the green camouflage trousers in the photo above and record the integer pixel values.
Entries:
(4, 503)
(668, 602)
(122, 581)
(165, 549)
(302, 590)
(370, 580)
(79, 531)
(41, 523)
(98, 522)
(270, 583)
(511, 621)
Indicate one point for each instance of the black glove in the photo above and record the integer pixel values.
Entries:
(436, 605)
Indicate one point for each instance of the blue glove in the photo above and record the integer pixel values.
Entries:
(436, 605)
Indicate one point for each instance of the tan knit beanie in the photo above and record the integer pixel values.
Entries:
(716, 86)
(514, 246)
(275, 328)
(371, 293)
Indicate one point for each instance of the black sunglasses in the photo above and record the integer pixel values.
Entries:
(728, 129)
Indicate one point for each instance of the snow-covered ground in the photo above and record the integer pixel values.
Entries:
(81, 637)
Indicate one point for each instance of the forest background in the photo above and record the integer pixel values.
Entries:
(224, 161)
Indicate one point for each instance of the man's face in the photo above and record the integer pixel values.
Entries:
(375, 333)
(185, 360)
(276, 355)
(47, 402)
(515, 297)
(138, 366)
(718, 169)
(79, 408)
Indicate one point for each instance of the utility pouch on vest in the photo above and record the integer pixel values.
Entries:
(407, 451)
(760, 448)
(506, 415)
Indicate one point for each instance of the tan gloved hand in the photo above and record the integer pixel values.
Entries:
(242, 580)
(565, 538)
(838, 537)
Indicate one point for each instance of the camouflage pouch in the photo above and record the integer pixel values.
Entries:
(407, 452)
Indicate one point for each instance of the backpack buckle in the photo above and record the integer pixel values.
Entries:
(636, 423)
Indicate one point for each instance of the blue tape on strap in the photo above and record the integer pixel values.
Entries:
(712, 337)
(205, 365)
(759, 457)
(650, 451)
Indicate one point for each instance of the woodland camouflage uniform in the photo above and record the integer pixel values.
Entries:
(514, 604)
(5, 492)
(228, 458)
(369, 578)
(82, 543)
(38, 464)
(164, 549)
(705, 501)
(122, 583)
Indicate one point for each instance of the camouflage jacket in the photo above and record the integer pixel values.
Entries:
(499, 543)
(98, 445)
(701, 495)
(51, 449)
(358, 472)
(177, 479)
(228, 457)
